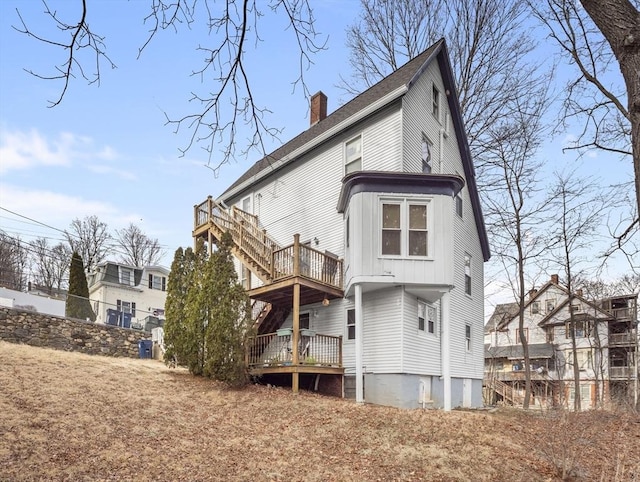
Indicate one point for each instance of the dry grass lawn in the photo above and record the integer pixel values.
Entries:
(67, 416)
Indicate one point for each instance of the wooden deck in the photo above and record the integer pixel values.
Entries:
(292, 276)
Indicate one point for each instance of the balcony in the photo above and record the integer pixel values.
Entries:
(274, 353)
(622, 339)
(621, 373)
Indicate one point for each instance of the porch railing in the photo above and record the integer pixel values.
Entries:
(273, 350)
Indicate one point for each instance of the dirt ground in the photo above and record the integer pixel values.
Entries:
(68, 416)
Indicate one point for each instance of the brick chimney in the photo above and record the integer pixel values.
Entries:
(318, 107)
(554, 279)
(579, 292)
(532, 293)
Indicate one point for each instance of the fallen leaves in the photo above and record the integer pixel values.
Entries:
(67, 416)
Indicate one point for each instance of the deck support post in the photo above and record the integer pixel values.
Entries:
(296, 335)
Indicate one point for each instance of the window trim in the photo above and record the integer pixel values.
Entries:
(350, 325)
(536, 307)
(359, 159)
(129, 271)
(428, 161)
(468, 273)
(405, 204)
(526, 334)
(435, 101)
(467, 336)
(458, 205)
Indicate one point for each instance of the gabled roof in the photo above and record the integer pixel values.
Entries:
(502, 315)
(401, 77)
(378, 96)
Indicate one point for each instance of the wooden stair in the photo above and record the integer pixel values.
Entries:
(506, 391)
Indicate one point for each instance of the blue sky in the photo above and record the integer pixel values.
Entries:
(106, 150)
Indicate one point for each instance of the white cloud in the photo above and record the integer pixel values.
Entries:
(58, 209)
(21, 150)
(103, 169)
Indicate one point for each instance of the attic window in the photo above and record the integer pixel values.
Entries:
(353, 155)
(535, 307)
(435, 98)
(551, 305)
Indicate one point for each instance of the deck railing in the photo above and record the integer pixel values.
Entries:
(621, 372)
(273, 350)
(621, 339)
(311, 263)
(294, 260)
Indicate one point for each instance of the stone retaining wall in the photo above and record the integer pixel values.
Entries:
(38, 329)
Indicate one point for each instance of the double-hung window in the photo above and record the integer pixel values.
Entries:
(467, 337)
(126, 276)
(426, 318)
(351, 324)
(426, 155)
(353, 155)
(435, 99)
(157, 282)
(467, 274)
(405, 228)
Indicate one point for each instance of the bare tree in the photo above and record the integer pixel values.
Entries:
(606, 32)
(14, 260)
(89, 238)
(137, 248)
(488, 45)
(515, 216)
(50, 263)
(233, 27)
(579, 208)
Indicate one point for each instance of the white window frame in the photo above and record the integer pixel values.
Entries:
(157, 282)
(550, 302)
(351, 325)
(405, 204)
(535, 307)
(468, 273)
(435, 101)
(121, 278)
(458, 205)
(467, 337)
(426, 154)
(246, 204)
(353, 163)
(429, 315)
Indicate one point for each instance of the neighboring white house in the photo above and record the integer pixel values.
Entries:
(606, 344)
(127, 296)
(30, 301)
(383, 282)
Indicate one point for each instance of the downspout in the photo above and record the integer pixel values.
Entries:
(359, 345)
(441, 160)
(445, 350)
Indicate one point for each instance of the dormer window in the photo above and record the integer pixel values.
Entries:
(125, 276)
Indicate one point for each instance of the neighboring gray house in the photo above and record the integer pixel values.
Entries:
(362, 243)
(606, 346)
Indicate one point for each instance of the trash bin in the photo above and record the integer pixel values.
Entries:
(145, 348)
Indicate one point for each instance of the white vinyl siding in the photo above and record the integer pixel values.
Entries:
(422, 351)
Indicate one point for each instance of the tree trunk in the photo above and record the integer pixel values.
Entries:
(619, 22)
